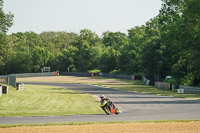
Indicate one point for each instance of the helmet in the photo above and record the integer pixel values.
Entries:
(102, 97)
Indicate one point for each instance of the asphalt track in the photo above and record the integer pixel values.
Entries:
(134, 106)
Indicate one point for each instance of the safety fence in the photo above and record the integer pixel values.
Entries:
(164, 85)
(189, 89)
(118, 76)
(4, 79)
(82, 74)
(8, 79)
(108, 75)
(11, 79)
(21, 75)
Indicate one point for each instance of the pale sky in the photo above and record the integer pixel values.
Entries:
(75, 15)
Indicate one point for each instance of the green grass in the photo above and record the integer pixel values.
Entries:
(90, 123)
(46, 101)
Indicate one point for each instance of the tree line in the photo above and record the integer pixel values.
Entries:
(167, 44)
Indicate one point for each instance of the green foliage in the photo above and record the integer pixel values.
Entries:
(94, 71)
(109, 59)
(6, 21)
(173, 81)
(114, 72)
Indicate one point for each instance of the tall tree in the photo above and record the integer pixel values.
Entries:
(89, 46)
(114, 43)
(6, 21)
(130, 60)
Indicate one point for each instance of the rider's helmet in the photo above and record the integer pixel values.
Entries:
(102, 97)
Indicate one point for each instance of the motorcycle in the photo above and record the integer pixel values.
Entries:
(108, 107)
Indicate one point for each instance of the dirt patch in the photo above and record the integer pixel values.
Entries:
(168, 127)
(71, 79)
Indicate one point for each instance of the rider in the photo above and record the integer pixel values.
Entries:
(108, 100)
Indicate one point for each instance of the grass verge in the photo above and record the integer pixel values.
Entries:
(90, 123)
(37, 100)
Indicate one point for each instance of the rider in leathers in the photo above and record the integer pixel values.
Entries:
(110, 103)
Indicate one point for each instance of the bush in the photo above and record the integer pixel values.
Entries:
(173, 81)
(187, 80)
(94, 71)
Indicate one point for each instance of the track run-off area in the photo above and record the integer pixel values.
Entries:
(134, 107)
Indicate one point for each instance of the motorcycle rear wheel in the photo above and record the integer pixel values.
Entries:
(116, 111)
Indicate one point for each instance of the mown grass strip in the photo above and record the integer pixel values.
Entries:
(46, 101)
(90, 123)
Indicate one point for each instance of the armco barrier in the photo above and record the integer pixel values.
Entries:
(34, 74)
(11, 79)
(82, 74)
(8, 79)
(119, 76)
(189, 89)
(162, 85)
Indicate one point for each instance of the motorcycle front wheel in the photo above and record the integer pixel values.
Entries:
(107, 110)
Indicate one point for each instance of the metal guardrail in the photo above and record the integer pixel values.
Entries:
(82, 74)
(189, 89)
(85, 74)
(11, 79)
(21, 75)
(163, 85)
(8, 79)
(119, 76)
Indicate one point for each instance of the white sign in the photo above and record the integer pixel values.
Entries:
(180, 90)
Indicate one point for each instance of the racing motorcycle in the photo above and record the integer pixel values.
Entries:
(109, 107)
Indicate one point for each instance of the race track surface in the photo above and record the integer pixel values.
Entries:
(134, 106)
